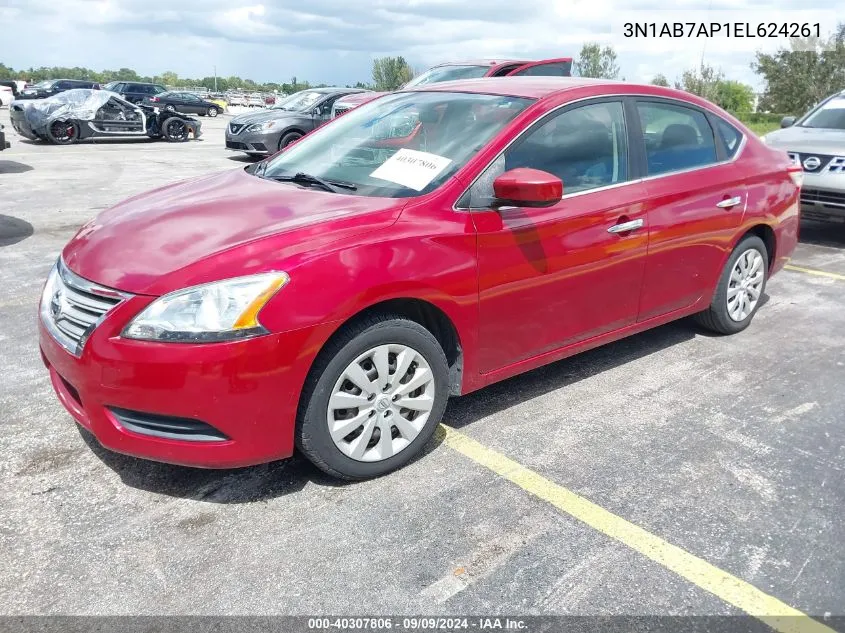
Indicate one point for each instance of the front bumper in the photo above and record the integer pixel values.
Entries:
(253, 142)
(247, 391)
(823, 196)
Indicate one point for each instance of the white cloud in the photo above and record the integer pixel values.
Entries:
(335, 40)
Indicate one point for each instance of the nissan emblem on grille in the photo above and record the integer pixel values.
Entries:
(812, 162)
(75, 308)
(56, 305)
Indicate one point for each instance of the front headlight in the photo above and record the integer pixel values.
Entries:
(219, 311)
(262, 127)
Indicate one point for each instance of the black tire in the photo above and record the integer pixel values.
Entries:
(63, 132)
(289, 138)
(312, 430)
(213, 112)
(175, 130)
(716, 318)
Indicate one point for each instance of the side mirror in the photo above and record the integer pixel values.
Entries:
(526, 187)
(787, 121)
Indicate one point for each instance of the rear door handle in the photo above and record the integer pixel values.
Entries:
(729, 203)
(633, 225)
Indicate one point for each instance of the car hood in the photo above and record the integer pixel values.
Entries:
(264, 115)
(186, 233)
(809, 139)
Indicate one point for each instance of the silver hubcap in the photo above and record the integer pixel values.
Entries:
(745, 285)
(380, 403)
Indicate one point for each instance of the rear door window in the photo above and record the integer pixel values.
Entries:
(676, 137)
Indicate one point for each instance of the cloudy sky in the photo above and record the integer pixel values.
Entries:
(334, 41)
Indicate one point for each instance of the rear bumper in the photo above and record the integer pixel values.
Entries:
(246, 391)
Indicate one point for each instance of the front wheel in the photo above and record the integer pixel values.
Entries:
(740, 288)
(373, 399)
(289, 138)
(175, 130)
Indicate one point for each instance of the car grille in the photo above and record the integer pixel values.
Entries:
(235, 128)
(834, 199)
(833, 164)
(235, 145)
(76, 307)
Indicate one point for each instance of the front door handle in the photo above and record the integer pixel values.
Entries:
(624, 227)
(729, 203)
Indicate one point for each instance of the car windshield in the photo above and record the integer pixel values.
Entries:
(447, 73)
(44, 84)
(402, 145)
(302, 101)
(830, 116)
(281, 102)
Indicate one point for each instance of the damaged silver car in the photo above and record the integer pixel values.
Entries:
(75, 115)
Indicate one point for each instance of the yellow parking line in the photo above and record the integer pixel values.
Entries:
(813, 271)
(742, 595)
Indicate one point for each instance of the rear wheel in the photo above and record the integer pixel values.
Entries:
(740, 288)
(373, 399)
(213, 112)
(63, 132)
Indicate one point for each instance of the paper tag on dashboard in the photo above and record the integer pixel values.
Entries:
(411, 168)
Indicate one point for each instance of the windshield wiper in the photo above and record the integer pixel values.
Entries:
(308, 179)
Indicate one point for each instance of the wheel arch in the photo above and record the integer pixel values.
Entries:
(285, 132)
(425, 313)
(767, 234)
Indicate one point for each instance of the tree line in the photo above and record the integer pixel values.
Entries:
(795, 78)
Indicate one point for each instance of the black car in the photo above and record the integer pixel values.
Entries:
(50, 87)
(79, 114)
(183, 102)
(135, 91)
(269, 130)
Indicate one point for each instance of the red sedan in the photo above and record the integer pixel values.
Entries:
(452, 71)
(427, 244)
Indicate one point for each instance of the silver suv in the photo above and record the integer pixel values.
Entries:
(817, 142)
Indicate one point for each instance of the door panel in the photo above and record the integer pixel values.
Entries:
(554, 276)
(695, 206)
(551, 277)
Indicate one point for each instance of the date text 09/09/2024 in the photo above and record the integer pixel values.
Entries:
(721, 29)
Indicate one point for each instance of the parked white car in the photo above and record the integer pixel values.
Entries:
(6, 96)
(255, 101)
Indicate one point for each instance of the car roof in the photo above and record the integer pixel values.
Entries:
(329, 89)
(483, 62)
(537, 87)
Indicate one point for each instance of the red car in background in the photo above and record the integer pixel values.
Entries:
(334, 296)
(560, 67)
